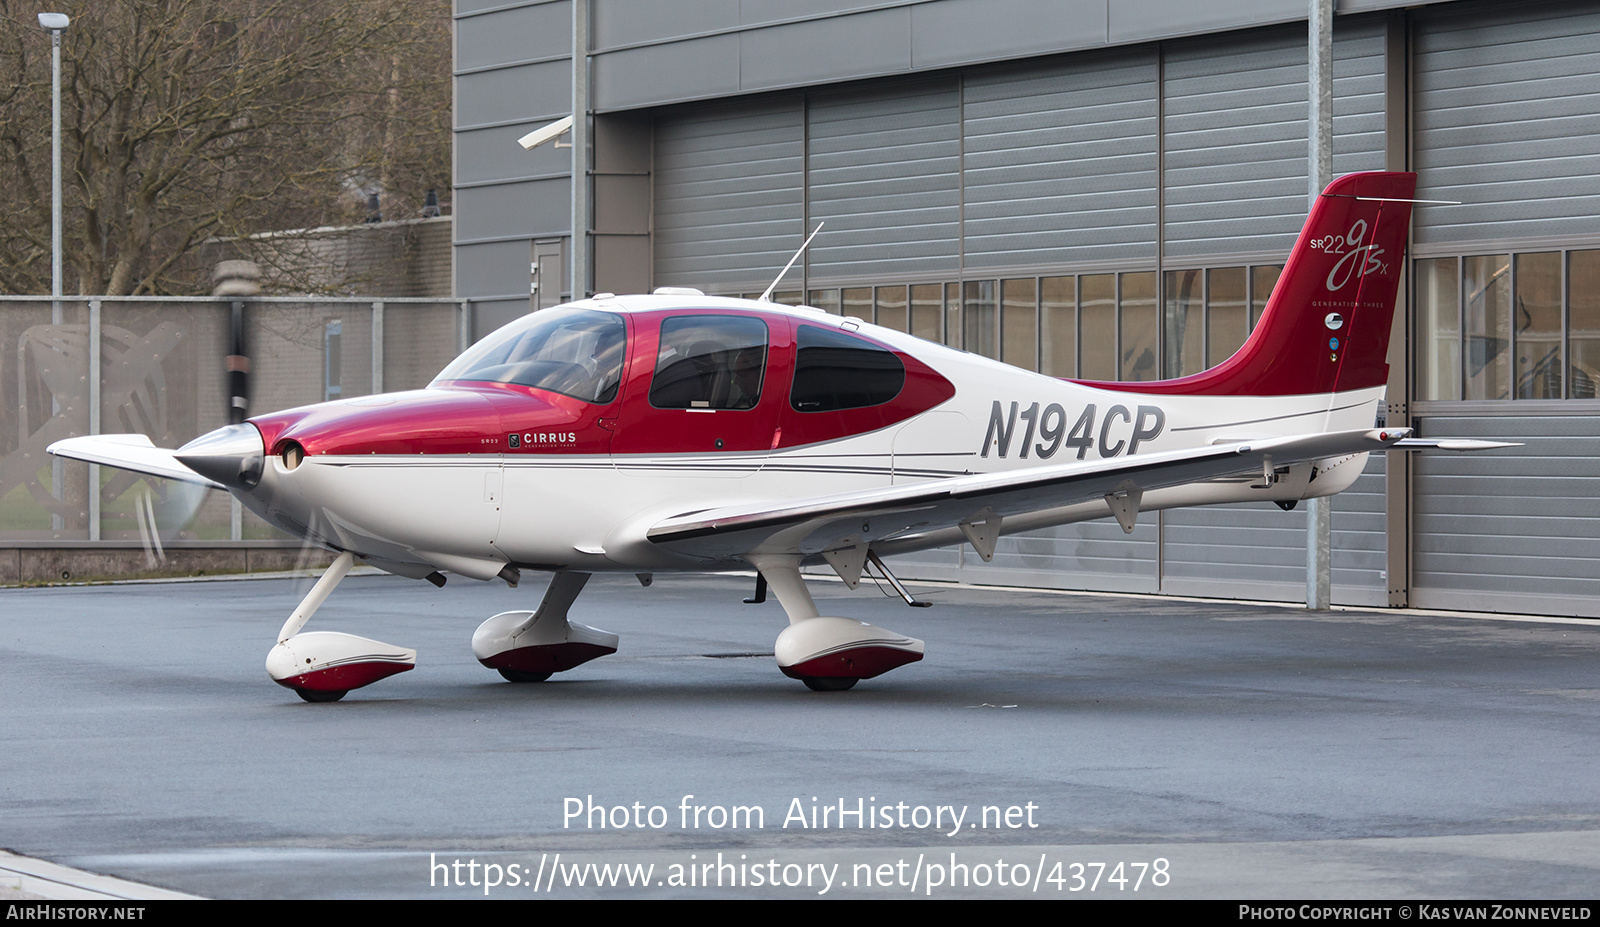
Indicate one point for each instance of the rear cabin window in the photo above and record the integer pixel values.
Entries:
(710, 362)
(835, 370)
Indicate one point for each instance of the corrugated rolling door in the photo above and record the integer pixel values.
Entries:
(884, 172)
(1234, 165)
(884, 180)
(729, 207)
(1510, 530)
(1060, 163)
(1235, 175)
(1506, 121)
(1060, 172)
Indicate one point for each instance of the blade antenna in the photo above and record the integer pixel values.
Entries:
(774, 285)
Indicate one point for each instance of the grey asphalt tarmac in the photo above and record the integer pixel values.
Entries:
(1204, 749)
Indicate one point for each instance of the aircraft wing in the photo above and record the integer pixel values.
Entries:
(978, 504)
(129, 452)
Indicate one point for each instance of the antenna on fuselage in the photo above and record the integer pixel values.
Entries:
(767, 294)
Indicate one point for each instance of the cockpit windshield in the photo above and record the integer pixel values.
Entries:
(574, 352)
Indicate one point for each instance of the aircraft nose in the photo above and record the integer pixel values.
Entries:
(232, 455)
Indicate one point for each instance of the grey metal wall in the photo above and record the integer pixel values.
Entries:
(1031, 166)
(1234, 153)
(513, 73)
(650, 53)
(884, 175)
(1510, 530)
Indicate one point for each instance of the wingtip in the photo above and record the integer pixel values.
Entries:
(1452, 444)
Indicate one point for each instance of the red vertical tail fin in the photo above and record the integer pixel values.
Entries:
(1326, 327)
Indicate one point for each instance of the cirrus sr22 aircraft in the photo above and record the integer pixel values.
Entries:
(677, 431)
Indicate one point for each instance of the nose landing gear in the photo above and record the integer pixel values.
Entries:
(321, 666)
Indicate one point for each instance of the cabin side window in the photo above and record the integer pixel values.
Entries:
(835, 370)
(710, 362)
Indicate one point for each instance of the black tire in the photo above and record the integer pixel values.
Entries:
(512, 675)
(321, 695)
(829, 683)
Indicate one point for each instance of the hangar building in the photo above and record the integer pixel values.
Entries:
(1096, 188)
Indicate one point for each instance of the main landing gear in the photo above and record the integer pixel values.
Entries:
(531, 646)
(828, 654)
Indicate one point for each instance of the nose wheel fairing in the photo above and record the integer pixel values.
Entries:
(323, 665)
(331, 661)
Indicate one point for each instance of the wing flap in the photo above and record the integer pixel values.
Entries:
(129, 452)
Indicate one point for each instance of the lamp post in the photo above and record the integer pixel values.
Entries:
(55, 24)
(1319, 83)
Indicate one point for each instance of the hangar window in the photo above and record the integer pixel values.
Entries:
(1115, 326)
(1210, 313)
(1508, 326)
(1101, 326)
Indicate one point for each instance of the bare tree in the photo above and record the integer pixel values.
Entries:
(190, 119)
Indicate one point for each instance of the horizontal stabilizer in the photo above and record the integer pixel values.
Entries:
(129, 452)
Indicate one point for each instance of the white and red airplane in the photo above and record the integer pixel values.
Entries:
(677, 431)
